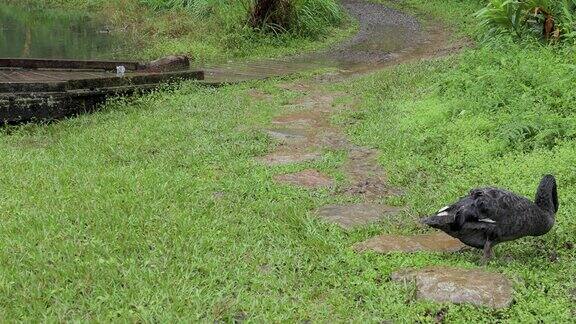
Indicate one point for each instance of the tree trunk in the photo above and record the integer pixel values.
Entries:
(272, 13)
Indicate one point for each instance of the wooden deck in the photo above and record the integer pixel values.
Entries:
(36, 76)
(39, 90)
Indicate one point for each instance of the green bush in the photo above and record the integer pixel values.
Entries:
(549, 19)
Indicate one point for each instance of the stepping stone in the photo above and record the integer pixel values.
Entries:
(287, 134)
(437, 242)
(259, 94)
(283, 158)
(459, 286)
(307, 178)
(350, 216)
(333, 139)
(371, 188)
(305, 118)
(295, 121)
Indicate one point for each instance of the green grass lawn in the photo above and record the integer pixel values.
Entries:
(154, 209)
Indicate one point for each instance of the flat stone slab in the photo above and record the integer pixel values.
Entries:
(459, 286)
(300, 122)
(353, 215)
(283, 158)
(437, 242)
(287, 134)
(306, 178)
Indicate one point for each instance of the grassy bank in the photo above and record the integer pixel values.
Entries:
(211, 31)
(154, 209)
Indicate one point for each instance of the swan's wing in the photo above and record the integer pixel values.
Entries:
(499, 206)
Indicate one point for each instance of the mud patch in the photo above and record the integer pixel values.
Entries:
(354, 215)
(438, 242)
(363, 164)
(459, 286)
(331, 138)
(307, 178)
(367, 177)
(371, 189)
(259, 95)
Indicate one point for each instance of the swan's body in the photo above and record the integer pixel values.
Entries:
(488, 216)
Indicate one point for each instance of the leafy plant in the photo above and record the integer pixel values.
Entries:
(567, 20)
(549, 19)
(501, 15)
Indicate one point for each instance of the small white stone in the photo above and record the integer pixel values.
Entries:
(120, 70)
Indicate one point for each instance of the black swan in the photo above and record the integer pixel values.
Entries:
(488, 216)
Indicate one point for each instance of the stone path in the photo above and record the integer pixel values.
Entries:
(303, 135)
(456, 285)
(305, 132)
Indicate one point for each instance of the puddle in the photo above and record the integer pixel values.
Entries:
(26, 33)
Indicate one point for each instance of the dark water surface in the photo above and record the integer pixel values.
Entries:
(26, 33)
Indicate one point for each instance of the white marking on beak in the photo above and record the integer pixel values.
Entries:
(443, 209)
(487, 220)
(444, 213)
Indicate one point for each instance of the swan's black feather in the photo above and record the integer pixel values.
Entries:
(498, 215)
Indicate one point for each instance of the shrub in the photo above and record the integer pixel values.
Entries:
(549, 19)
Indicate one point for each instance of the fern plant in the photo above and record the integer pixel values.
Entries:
(502, 15)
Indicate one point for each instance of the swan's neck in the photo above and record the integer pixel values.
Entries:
(547, 196)
(543, 225)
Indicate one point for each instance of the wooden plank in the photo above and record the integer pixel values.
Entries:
(27, 81)
(68, 64)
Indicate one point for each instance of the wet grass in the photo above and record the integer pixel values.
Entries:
(154, 209)
(470, 121)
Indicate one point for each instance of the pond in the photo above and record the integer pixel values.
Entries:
(26, 33)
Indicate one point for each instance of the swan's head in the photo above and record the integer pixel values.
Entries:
(440, 222)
